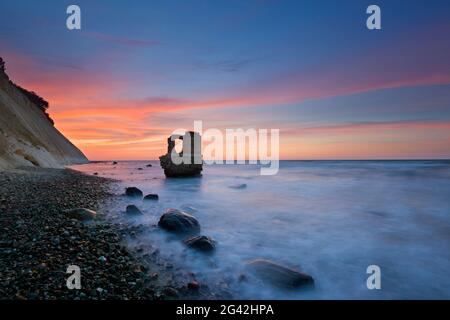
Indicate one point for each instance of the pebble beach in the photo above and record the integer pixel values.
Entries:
(38, 241)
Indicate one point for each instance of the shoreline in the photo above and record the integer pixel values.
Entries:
(38, 242)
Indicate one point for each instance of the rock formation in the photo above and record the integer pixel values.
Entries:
(190, 156)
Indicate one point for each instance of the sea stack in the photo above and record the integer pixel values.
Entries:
(188, 162)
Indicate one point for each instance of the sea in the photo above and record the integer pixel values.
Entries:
(333, 220)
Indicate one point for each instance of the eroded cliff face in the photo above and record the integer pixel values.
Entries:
(27, 135)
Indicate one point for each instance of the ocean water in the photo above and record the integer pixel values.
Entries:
(329, 219)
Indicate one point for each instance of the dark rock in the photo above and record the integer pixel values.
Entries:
(201, 243)
(140, 169)
(176, 221)
(193, 166)
(242, 277)
(149, 165)
(278, 275)
(151, 196)
(193, 285)
(133, 192)
(81, 214)
(239, 186)
(132, 210)
(114, 162)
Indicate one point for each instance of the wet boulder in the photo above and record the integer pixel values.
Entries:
(177, 221)
(132, 210)
(149, 165)
(133, 192)
(278, 275)
(201, 243)
(151, 196)
(81, 214)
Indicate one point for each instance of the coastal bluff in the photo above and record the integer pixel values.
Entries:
(28, 136)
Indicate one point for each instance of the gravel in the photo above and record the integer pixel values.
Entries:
(38, 241)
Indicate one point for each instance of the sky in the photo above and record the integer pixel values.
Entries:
(137, 70)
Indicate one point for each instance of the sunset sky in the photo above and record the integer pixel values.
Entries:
(140, 69)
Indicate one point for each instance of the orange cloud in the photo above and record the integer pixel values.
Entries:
(371, 140)
(90, 108)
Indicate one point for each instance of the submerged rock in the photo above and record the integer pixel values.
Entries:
(201, 243)
(149, 165)
(278, 275)
(239, 186)
(133, 210)
(81, 214)
(133, 192)
(151, 196)
(114, 162)
(176, 221)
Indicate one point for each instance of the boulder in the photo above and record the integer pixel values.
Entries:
(278, 275)
(134, 192)
(149, 165)
(177, 221)
(151, 196)
(201, 243)
(114, 162)
(81, 214)
(132, 210)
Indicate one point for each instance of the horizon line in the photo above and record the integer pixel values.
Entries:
(396, 159)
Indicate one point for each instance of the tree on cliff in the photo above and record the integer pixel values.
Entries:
(40, 102)
(2, 65)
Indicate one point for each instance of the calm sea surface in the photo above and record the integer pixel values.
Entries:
(330, 219)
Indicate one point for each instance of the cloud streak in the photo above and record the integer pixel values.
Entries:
(123, 41)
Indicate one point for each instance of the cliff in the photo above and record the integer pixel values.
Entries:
(27, 134)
